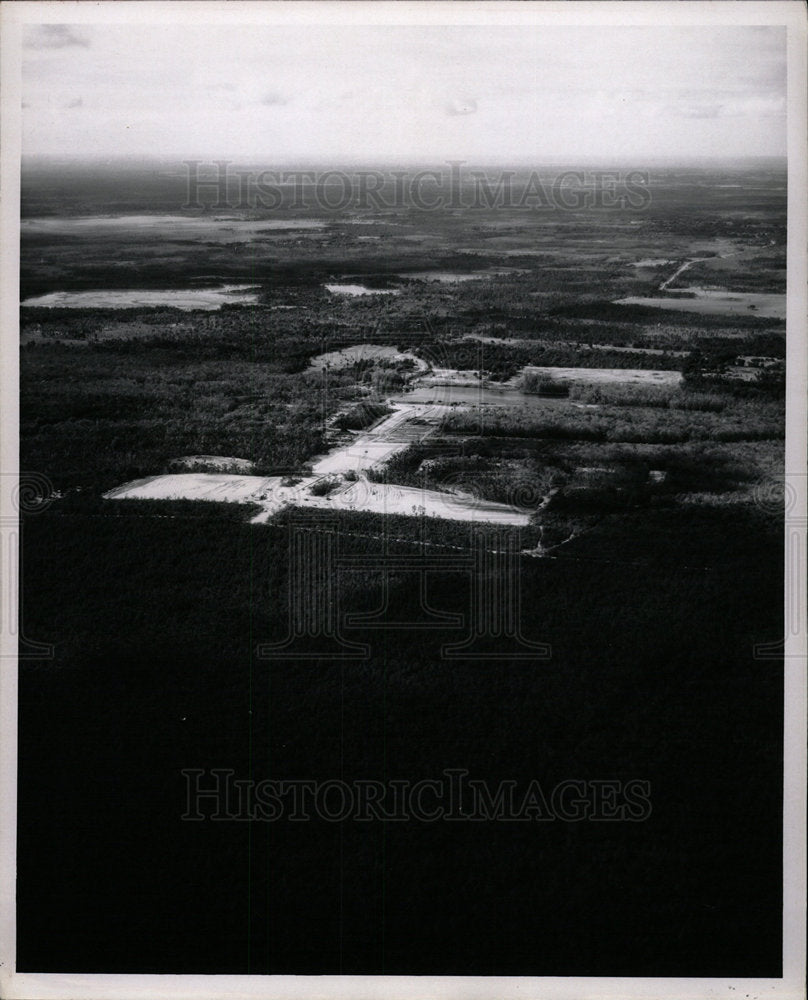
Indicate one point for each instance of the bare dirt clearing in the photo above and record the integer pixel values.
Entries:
(186, 299)
(354, 290)
(197, 486)
(383, 498)
(375, 446)
(361, 495)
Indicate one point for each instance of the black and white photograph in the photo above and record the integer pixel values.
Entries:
(403, 500)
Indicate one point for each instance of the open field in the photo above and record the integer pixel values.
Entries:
(355, 290)
(187, 300)
(273, 496)
(381, 498)
(710, 302)
(597, 376)
(360, 454)
(197, 486)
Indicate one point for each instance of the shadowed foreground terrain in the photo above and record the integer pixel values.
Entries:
(652, 677)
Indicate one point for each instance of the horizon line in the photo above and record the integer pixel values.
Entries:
(375, 163)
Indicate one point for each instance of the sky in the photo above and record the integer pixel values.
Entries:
(392, 93)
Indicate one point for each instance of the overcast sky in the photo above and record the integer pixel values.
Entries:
(344, 94)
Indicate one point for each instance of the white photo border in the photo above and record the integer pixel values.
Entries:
(792, 14)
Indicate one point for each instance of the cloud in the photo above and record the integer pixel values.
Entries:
(729, 105)
(564, 93)
(274, 100)
(701, 111)
(55, 36)
(455, 109)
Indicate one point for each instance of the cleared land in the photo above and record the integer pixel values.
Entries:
(185, 299)
(598, 376)
(273, 496)
(358, 290)
(383, 498)
(197, 486)
(711, 302)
